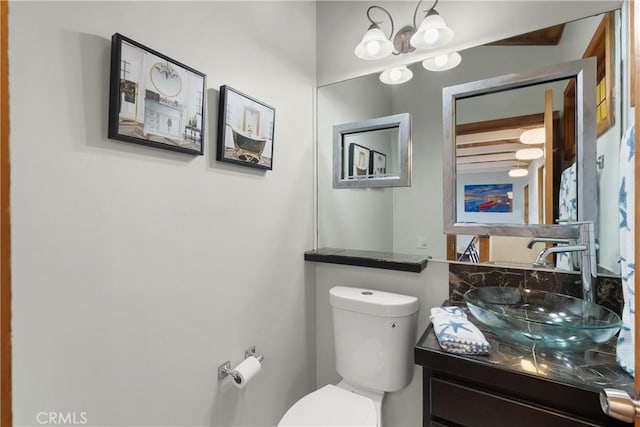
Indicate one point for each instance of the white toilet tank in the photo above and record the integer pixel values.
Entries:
(374, 337)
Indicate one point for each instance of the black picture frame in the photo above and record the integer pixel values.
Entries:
(245, 130)
(155, 100)
(377, 164)
(359, 159)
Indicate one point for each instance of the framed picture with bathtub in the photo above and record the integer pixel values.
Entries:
(245, 130)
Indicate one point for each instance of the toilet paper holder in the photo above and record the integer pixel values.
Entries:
(225, 369)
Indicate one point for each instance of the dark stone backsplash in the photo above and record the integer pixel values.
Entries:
(462, 277)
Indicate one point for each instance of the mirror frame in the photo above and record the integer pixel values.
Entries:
(584, 71)
(400, 121)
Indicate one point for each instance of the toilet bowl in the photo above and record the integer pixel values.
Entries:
(374, 333)
(332, 406)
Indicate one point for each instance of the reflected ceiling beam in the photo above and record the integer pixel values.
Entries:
(550, 36)
(486, 158)
(490, 149)
(489, 136)
(490, 166)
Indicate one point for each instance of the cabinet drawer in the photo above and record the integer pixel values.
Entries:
(472, 407)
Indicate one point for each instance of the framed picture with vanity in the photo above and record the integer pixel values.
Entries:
(359, 159)
(245, 130)
(154, 100)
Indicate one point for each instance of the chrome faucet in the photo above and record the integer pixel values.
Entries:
(547, 240)
(541, 259)
(587, 246)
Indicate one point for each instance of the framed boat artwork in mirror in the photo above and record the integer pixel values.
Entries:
(245, 130)
(154, 100)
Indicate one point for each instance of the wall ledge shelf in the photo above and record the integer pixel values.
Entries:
(372, 259)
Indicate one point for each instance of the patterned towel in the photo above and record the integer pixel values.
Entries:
(625, 346)
(567, 211)
(455, 333)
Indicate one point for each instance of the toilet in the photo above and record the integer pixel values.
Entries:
(374, 334)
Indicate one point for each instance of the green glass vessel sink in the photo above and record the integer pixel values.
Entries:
(546, 319)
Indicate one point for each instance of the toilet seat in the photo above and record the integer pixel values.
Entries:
(331, 406)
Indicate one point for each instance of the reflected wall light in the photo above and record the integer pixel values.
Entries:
(443, 62)
(518, 172)
(432, 32)
(396, 75)
(529, 153)
(533, 136)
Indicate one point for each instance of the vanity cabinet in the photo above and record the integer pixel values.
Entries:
(516, 386)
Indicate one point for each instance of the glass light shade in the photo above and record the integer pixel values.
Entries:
(529, 153)
(396, 75)
(432, 32)
(517, 172)
(533, 136)
(374, 45)
(442, 62)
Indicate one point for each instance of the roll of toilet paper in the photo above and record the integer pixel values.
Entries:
(245, 371)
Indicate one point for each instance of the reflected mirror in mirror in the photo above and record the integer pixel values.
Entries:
(373, 153)
(409, 220)
(515, 157)
(369, 155)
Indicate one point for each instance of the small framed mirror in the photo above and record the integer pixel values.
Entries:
(482, 194)
(373, 153)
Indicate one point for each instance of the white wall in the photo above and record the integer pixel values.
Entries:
(137, 271)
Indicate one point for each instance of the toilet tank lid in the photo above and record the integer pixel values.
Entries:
(368, 301)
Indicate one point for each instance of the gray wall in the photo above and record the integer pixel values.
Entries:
(137, 271)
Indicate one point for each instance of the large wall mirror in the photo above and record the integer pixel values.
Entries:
(515, 162)
(410, 219)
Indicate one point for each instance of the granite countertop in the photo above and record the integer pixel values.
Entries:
(592, 369)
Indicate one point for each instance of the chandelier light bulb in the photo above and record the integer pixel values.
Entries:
(432, 32)
(430, 35)
(396, 75)
(441, 60)
(373, 47)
